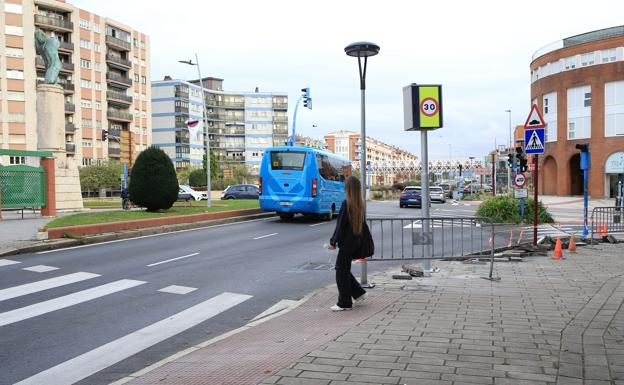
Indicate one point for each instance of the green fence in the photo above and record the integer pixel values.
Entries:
(22, 186)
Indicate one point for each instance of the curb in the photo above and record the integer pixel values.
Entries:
(106, 237)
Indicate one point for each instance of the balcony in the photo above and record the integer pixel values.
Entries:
(70, 108)
(118, 60)
(119, 115)
(70, 148)
(182, 141)
(119, 97)
(68, 87)
(113, 41)
(54, 23)
(280, 119)
(114, 133)
(70, 128)
(68, 67)
(280, 106)
(239, 105)
(66, 46)
(114, 152)
(113, 77)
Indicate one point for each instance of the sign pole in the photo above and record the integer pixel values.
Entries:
(425, 198)
(535, 188)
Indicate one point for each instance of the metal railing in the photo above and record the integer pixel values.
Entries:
(66, 45)
(54, 22)
(70, 147)
(69, 128)
(121, 115)
(119, 96)
(606, 220)
(118, 42)
(118, 78)
(118, 60)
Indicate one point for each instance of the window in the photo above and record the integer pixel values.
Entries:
(97, 47)
(587, 59)
(143, 63)
(14, 52)
(98, 85)
(570, 62)
(142, 45)
(85, 83)
(85, 24)
(87, 143)
(15, 74)
(135, 42)
(16, 117)
(98, 67)
(614, 108)
(13, 30)
(98, 105)
(98, 124)
(87, 123)
(17, 160)
(587, 99)
(332, 169)
(287, 160)
(579, 112)
(13, 8)
(550, 117)
(85, 44)
(85, 63)
(85, 103)
(15, 95)
(608, 55)
(96, 27)
(136, 77)
(87, 161)
(143, 80)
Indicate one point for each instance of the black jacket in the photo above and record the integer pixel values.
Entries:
(343, 233)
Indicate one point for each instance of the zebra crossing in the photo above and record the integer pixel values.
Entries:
(118, 349)
(441, 222)
(553, 230)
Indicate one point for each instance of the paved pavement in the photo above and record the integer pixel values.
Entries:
(545, 322)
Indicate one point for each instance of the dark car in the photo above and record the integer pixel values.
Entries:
(241, 191)
(410, 197)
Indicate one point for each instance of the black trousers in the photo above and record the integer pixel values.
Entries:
(348, 286)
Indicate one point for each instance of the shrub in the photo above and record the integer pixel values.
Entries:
(198, 178)
(154, 184)
(506, 209)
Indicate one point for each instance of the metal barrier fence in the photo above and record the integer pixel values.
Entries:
(432, 238)
(22, 187)
(606, 220)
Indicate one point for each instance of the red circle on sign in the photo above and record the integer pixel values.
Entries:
(429, 112)
(520, 180)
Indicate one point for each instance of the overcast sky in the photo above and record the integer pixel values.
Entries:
(479, 51)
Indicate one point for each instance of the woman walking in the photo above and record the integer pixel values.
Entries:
(348, 237)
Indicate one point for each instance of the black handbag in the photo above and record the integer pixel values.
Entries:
(367, 246)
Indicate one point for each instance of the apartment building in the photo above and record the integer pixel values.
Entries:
(380, 155)
(105, 72)
(241, 125)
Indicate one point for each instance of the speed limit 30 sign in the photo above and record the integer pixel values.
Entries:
(520, 180)
(429, 106)
(422, 107)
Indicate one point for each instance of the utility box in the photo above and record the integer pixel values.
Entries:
(422, 107)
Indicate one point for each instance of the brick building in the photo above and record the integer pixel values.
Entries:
(578, 83)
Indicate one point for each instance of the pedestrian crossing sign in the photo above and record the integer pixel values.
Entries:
(534, 141)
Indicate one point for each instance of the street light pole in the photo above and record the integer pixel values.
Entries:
(201, 84)
(361, 50)
(510, 149)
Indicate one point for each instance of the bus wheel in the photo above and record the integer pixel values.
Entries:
(286, 216)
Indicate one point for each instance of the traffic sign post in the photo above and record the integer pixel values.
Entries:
(422, 111)
(534, 144)
(521, 192)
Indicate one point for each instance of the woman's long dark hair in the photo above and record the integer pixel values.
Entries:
(355, 204)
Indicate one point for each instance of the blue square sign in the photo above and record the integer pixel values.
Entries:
(534, 141)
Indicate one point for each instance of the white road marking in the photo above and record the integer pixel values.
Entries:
(40, 308)
(279, 306)
(7, 262)
(318, 224)
(29, 288)
(172, 259)
(265, 236)
(78, 368)
(152, 235)
(40, 268)
(175, 289)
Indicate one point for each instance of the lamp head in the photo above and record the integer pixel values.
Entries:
(362, 49)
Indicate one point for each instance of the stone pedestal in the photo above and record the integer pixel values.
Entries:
(51, 137)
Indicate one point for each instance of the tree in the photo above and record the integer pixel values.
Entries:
(214, 165)
(185, 173)
(99, 176)
(198, 177)
(153, 184)
(241, 173)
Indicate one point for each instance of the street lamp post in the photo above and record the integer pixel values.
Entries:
(510, 149)
(201, 84)
(361, 50)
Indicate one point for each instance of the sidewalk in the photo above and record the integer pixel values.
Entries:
(545, 322)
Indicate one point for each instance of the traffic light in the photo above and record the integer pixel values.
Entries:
(307, 103)
(307, 100)
(584, 147)
(585, 159)
(306, 92)
(104, 135)
(460, 169)
(510, 160)
(523, 164)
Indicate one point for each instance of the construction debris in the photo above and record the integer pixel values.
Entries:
(415, 271)
(402, 276)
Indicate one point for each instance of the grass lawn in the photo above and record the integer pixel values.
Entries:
(179, 208)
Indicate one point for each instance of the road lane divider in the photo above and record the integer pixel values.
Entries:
(100, 358)
(172, 259)
(318, 224)
(265, 236)
(7, 262)
(58, 303)
(51, 283)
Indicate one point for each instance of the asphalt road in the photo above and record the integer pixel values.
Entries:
(97, 313)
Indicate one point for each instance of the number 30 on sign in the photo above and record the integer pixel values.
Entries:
(429, 106)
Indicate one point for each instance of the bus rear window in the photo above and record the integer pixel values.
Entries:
(287, 160)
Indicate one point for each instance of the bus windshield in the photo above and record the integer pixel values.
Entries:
(287, 160)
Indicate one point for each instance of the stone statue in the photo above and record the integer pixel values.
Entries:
(48, 47)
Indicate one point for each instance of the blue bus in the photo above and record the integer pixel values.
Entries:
(302, 180)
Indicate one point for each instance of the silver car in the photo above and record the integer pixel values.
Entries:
(436, 193)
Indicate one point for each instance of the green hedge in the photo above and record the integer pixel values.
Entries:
(505, 209)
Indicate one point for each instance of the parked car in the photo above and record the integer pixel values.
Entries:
(410, 196)
(476, 187)
(436, 193)
(185, 196)
(195, 194)
(241, 191)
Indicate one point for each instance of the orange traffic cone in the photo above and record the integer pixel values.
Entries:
(605, 231)
(558, 250)
(572, 245)
(599, 229)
